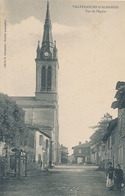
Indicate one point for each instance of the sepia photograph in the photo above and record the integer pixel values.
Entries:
(62, 98)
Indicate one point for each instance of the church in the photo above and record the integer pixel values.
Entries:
(41, 111)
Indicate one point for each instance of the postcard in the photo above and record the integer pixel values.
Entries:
(60, 62)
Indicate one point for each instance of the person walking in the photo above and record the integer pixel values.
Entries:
(109, 177)
(118, 178)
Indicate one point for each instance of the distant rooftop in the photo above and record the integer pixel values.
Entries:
(87, 144)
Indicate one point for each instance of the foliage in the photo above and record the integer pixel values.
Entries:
(12, 126)
(100, 129)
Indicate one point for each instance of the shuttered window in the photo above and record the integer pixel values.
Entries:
(43, 78)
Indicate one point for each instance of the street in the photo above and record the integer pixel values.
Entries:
(62, 180)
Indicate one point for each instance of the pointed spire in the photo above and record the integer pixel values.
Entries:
(47, 35)
(47, 12)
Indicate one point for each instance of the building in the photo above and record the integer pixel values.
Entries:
(114, 138)
(111, 140)
(81, 153)
(35, 154)
(38, 148)
(64, 154)
(120, 105)
(42, 109)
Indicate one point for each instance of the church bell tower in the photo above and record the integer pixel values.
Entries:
(46, 86)
(47, 64)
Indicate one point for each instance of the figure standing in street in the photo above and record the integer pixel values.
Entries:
(118, 178)
(109, 176)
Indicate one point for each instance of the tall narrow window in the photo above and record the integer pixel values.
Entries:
(40, 140)
(49, 78)
(43, 78)
(47, 143)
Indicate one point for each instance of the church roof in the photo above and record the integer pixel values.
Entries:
(87, 144)
(40, 129)
(32, 102)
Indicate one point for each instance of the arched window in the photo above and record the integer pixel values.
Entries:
(49, 78)
(43, 78)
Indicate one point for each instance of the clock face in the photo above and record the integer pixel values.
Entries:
(46, 54)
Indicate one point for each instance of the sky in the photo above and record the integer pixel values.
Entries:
(90, 52)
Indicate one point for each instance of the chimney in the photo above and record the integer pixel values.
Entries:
(79, 143)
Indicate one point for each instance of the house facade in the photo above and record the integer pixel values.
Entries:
(81, 153)
(111, 142)
(37, 153)
(39, 149)
(120, 105)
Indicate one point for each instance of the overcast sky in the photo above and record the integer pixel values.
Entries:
(91, 49)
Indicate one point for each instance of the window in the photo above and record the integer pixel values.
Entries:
(43, 78)
(12, 162)
(40, 140)
(49, 78)
(46, 143)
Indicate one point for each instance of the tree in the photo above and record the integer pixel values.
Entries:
(12, 127)
(100, 129)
